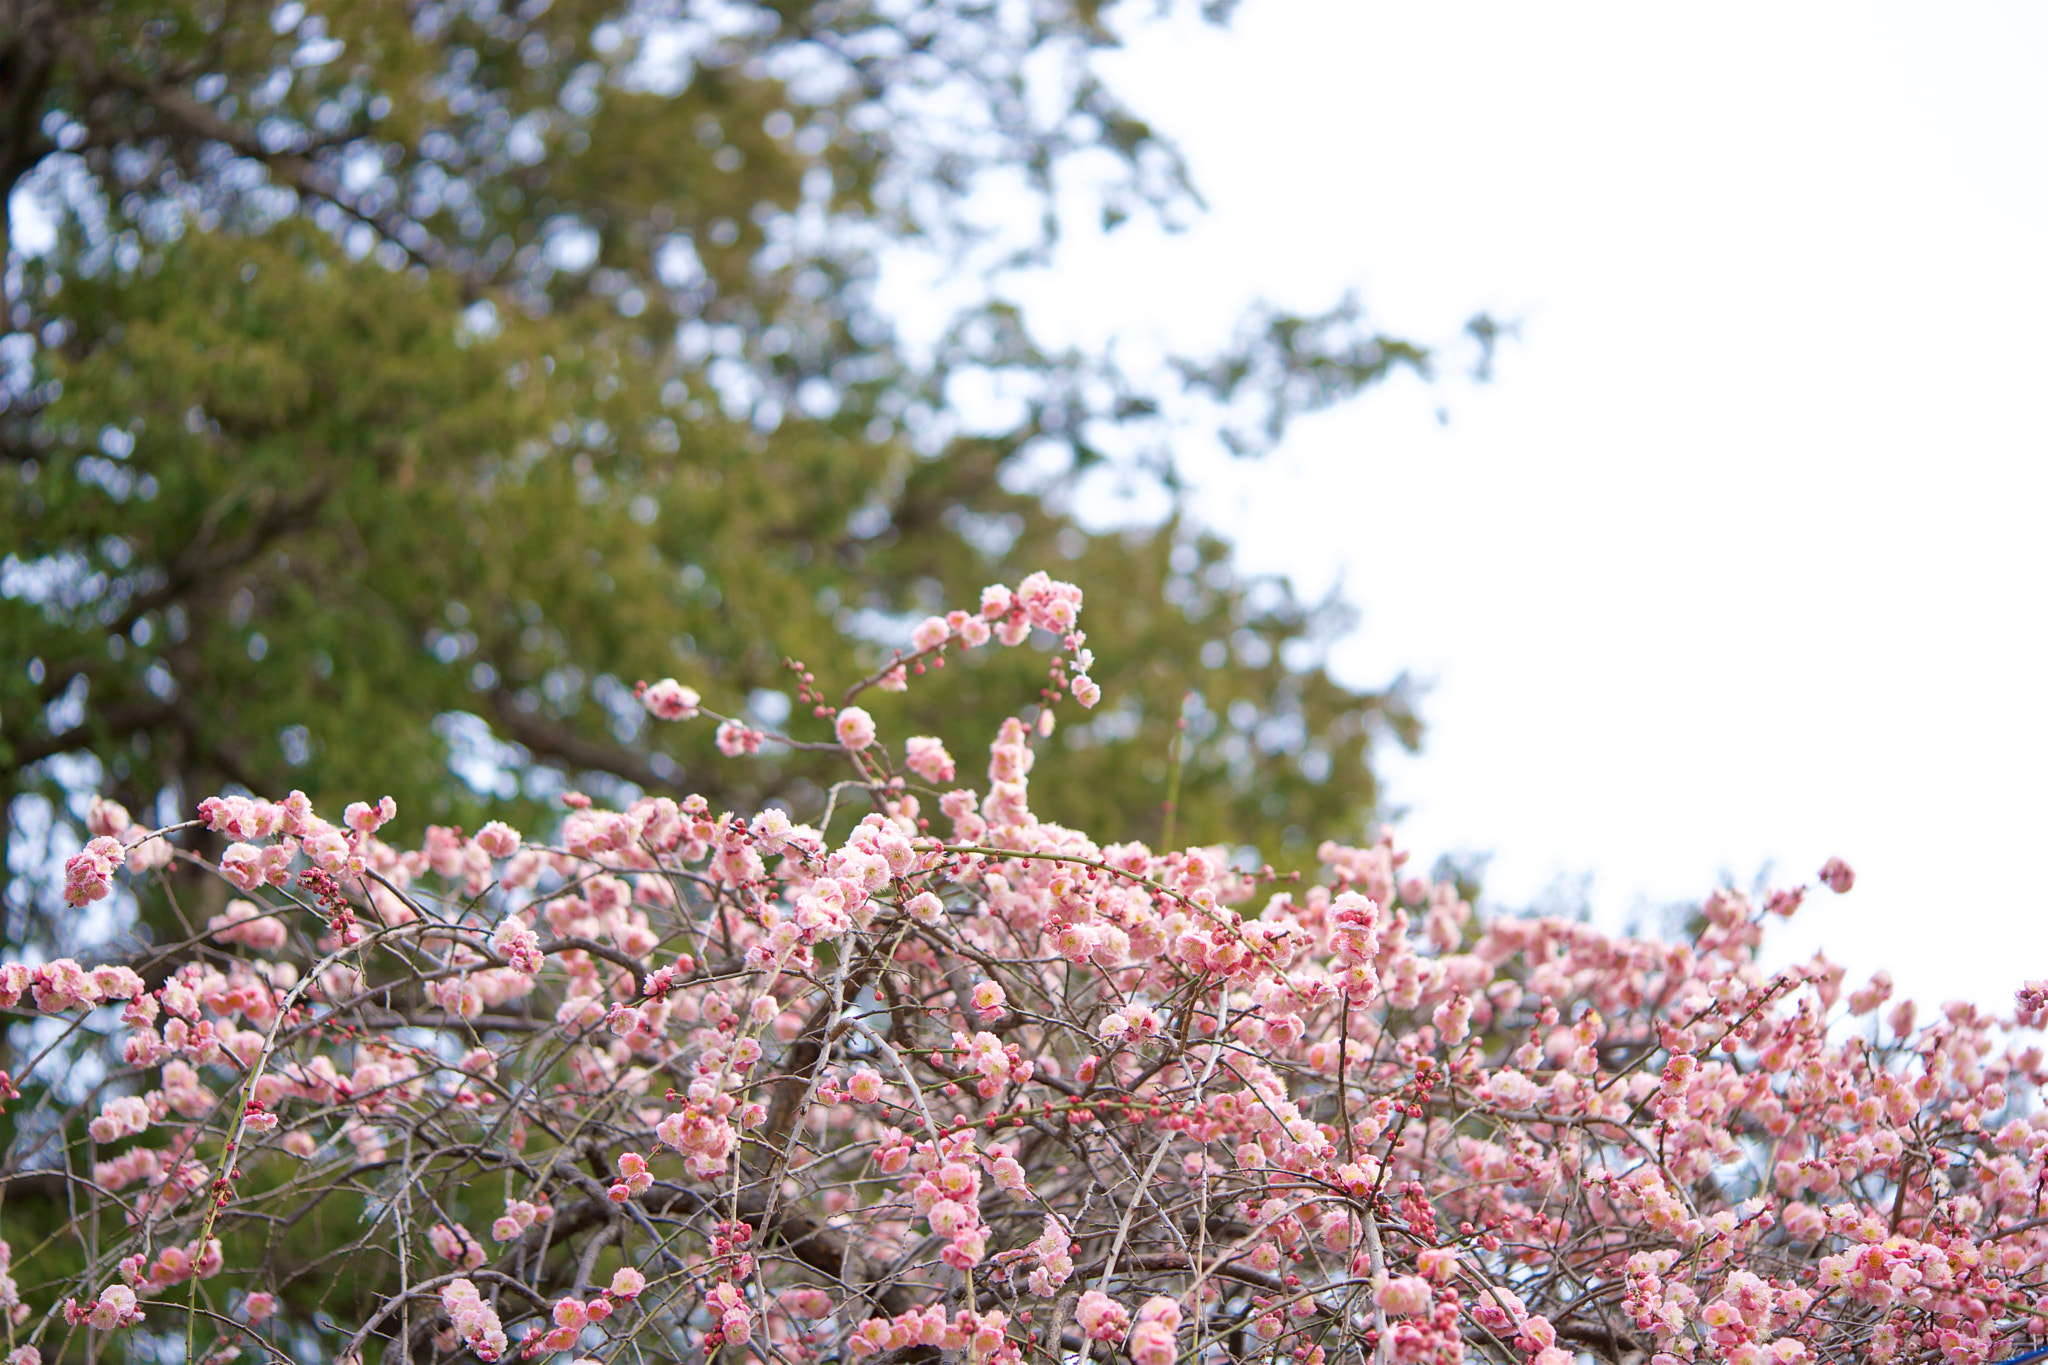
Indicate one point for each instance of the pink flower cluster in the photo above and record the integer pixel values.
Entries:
(943, 1180)
(572, 1315)
(1152, 1338)
(959, 1049)
(983, 1336)
(475, 1324)
(339, 851)
(63, 985)
(247, 923)
(927, 757)
(1101, 1317)
(89, 875)
(670, 700)
(173, 1266)
(519, 1215)
(456, 1246)
(115, 1307)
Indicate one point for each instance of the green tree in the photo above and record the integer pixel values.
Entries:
(407, 378)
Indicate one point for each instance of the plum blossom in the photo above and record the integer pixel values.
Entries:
(1055, 1261)
(1409, 1295)
(115, 1307)
(498, 839)
(1294, 1050)
(476, 1325)
(1101, 1317)
(988, 1000)
(734, 739)
(251, 868)
(89, 874)
(62, 985)
(927, 757)
(670, 700)
(249, 924)
(855, 728)
(456, 1245)
(119, 1118)
(1152, 1338)
(365, 818)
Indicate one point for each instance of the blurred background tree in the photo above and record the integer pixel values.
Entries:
(389, 384)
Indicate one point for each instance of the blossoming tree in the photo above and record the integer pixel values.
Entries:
(931, 1078)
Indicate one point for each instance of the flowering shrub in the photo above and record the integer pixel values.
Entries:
(955, 1081)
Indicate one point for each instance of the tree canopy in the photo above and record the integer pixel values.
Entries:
(400, 381)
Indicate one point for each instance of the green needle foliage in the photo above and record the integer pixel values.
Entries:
(405, 380)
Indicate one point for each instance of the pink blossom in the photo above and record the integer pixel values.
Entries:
(475, 1324)
(1101, 1317)
(1513, 1090)
(498, 839)
(248, 923)
(243, 865)
(1302, 1047)
(1838, 875)
(734, 739)
(670, 700)
(115, 982)
(519, 1215)
(63, 985)
(516, 942)
(927, 757)
(988, 1000)
(116, 1307)
(455, 1245)
(1152, 1343)
(120, 1118)
(929, 633)
(634, 1176)
(104, 817)
(328, 849)
(88, 875)
(1437, 1264)
(364, 818)
(1409, 1295)
(244, 818)
(855, 728)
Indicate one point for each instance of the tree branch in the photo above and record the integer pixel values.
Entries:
(554, 740)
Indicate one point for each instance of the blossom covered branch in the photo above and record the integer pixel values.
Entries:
(957, 1081)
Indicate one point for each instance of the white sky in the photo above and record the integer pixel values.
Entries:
(1740, 560)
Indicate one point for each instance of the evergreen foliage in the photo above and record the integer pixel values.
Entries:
(407, 380)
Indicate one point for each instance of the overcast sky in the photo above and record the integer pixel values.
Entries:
(1741, 559)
